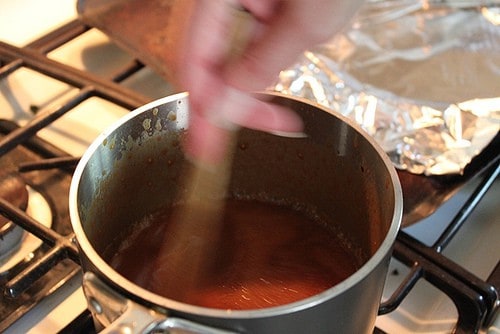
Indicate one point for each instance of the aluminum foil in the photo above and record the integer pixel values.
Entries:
(422, 78)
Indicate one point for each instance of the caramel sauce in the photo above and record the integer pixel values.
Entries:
(266, 255)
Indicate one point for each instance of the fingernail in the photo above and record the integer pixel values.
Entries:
(288, 134)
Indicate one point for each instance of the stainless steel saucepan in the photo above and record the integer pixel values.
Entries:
(134, 168)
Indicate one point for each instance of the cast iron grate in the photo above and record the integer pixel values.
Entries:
(48, 267)
(476, 300)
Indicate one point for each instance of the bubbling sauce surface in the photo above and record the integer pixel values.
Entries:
(267, 255)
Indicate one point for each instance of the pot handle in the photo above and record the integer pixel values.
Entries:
(121, 315)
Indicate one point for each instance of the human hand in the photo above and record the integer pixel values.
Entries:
(220, 86)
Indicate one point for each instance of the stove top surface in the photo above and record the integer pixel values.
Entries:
(58, 111)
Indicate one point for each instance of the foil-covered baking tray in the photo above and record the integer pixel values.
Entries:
(421, 77)
(149, 30)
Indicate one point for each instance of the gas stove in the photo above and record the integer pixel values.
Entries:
(62, 83)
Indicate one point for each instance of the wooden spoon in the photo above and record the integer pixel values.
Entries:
(190, 243)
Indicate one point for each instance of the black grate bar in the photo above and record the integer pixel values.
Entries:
(56, 261)
(21, 282)
(90, 85)
(128, 70)
(83, 324)
(490, 176)
(46, 234)
(47, 43)
(494, 280)
(10, 67)
(477, 301)
(58, 37)
(106, 89)
(474, 298)
(40, 294)
(62, 247)
(44, 118)
(59, 162)
(402, 291)
(44, 149)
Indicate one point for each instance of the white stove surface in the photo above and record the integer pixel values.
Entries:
(425, 310)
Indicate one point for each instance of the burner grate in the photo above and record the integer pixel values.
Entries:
(476, 300)
(57, 260)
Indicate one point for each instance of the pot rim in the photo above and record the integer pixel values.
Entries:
(106, 270)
